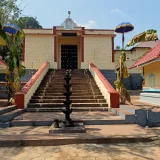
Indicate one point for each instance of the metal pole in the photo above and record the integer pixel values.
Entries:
(123, 40)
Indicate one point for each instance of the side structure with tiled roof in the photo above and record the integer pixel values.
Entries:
(149, 57)
(150, 64)
(135, 53)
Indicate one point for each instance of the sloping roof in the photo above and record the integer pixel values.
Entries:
(2, 63)
(148, 44)
(151, 55)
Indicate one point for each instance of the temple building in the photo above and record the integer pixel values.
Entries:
(69, 46)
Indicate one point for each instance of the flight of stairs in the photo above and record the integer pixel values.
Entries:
(86, 95)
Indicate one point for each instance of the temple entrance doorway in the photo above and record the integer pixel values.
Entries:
(69, 56)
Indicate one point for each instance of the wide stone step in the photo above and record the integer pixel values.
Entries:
(128, 116)
(73, 90)
(73, 94)
(4, 124)
(62, 91)
(73, 101)
(4, 110)
(72, 80)
(130, 108)
(62, 87)
(3, 102)
(53, 105)
(62, 84)
(75, 109)
(72, 97)
(10, 115)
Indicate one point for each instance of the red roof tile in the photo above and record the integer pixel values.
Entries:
(151, 55)
(2, 62)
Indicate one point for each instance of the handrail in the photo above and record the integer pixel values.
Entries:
(103, 79)
(23, 97)
(110, 94)
(30, 83)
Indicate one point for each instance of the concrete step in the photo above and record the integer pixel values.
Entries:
(3, 102)
(17, 123)
(73, 94)
(73, 101)
(72, 97)
(62, 83)
(54, 105)
(84, 80)
(130, 108)
(46, 116)
(75, 109)
(4, 125)
(62, 87)
(4, 110)
(73, 91)
(10, 115)
(128, 116)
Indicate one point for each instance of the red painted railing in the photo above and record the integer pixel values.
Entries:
(29, 84)
(20, 96)
(114, 95)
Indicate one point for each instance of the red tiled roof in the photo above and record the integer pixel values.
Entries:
(2, 62)
(148, 44)
(151, 55)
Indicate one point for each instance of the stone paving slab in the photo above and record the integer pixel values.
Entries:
(35, 136)
(132, 151)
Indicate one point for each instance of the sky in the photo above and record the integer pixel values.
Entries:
(96, 14)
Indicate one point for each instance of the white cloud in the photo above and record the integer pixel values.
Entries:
(117, 10)
(90, 24)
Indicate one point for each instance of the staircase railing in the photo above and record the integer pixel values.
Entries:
(23, 97)
(109, 93)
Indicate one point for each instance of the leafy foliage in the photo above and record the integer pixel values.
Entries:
(11, 54)
(28, 22)
(9, 11)
(149, 35)
(121, 69)
(122, 73)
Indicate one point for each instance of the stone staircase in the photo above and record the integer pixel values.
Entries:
(46, 104)
(8, 113)
(86, 94)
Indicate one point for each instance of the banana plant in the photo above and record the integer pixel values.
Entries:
(121, 68)
(11, 52)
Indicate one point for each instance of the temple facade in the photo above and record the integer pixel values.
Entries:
(69, 46)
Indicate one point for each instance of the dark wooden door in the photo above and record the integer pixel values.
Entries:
(69, 57)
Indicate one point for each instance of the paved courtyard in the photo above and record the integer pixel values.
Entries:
(134, 151)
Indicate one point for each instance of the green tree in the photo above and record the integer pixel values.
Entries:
(9, 11)
(118, 47)
(28, 22)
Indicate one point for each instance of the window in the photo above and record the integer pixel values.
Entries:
(152, 80)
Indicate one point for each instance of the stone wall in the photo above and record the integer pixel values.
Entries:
(26, 78)
(134, 82)
(28, 75)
